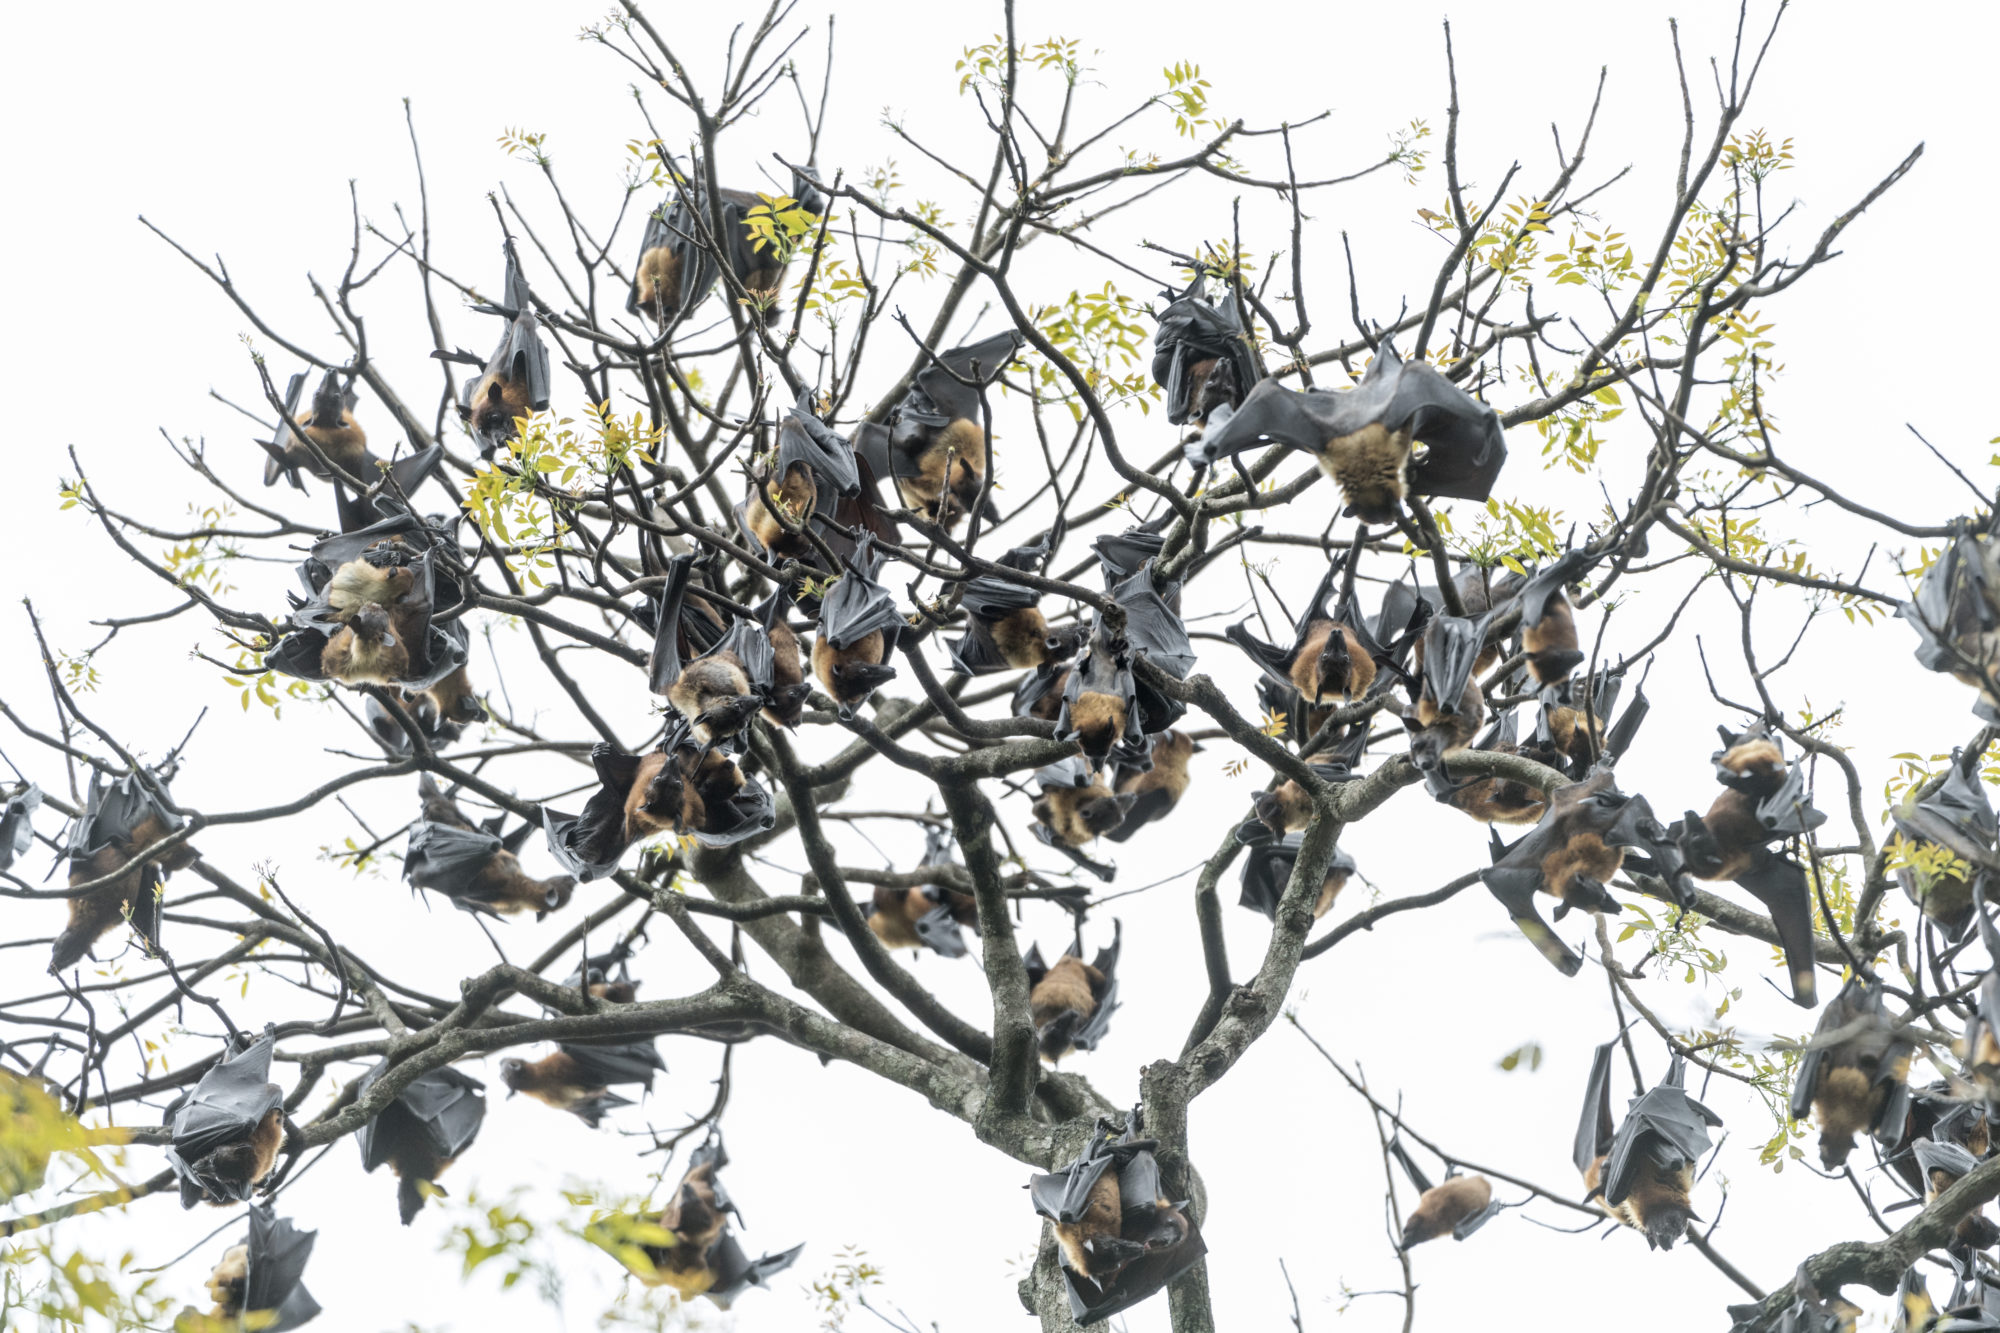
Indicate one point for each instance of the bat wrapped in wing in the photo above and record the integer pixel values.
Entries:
(514, 383)
(472, 866)
(121, 819)
(1201, 356)
(1071, 1002)
(676, 270)
(1124, 554)
(1366, 437)
(1958, 818)
(1005, 627)
(1956, 614)
(1074, 808)
(1121, 1238)
(859, 626)
(367, 617)
(814, 471)
(1157, 786)
(1450, 707)
(259, 1283)
(1851, 1076)
(935, 446)
(1548, 623)
(681, 787)
(328, 421)
(719, 690)
(432, 1120)
(226, 1130)
(1643, 1173)
(1267, 869)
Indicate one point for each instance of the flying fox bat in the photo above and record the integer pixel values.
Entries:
(1982, 1027)
(17, 824)
(367, 615)
(1916, 1312)
(705, 1258)
(1121, 1237)
(1039, 694)
(259, 1284)
(1289, 807)
(1004, 626)
(434, 1119)
(515, 380)
(928, 915)
(1456, 1208)
(1942, 1165)
(1941, 1113)
(1201, 356)
(473, 866)
(1642, 1174)
(680, 787)
(329, 423)
(1333, 657)
(1267, 868)
(1104, 704)
(1851, 1078)
(1956, 614)
(1156, 790)
(1974, 1303)
(814, 470)
(1574, 729)
(1571, 855)
(595, 977)
(935, 446)
(1548, 624)
(1075, 808)
(1496, 800)
(1809, 1311)
(121, 819)
(227, 1130)
(578, 1076)
(676, 271)
(1450, 707)
(859, 626)
(1365, 437)
(1762, 800)
(1959, 818)
(721, 689)
(1072, 1002)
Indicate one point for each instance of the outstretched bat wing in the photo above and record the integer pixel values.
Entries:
(1465, 448)
(734, 1270)
(1513, 878)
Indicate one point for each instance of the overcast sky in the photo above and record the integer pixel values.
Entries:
(236, 131)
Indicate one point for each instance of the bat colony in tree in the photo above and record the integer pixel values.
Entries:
(779, 556)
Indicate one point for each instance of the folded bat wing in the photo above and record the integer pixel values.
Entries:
(1194, 329)
(447, 860)
(1152, 626)
(1550, 580)
(664, 666)
(857, 606)
(805, 439)
(1665, 1125)
(940, 395)
(272, 1279)
(1124, 554)
(748, 812)
(1779, 882)
(231, 1099)
(1452, 645)
(1957, 816)
(624, 1062)
(1514, 877)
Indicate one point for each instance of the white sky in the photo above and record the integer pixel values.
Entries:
(237, 130)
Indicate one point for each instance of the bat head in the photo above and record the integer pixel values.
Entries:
(371, 624)
(513, 1072)
(788, 703)
(329, 404)
(557, 893)
(1063, 643)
